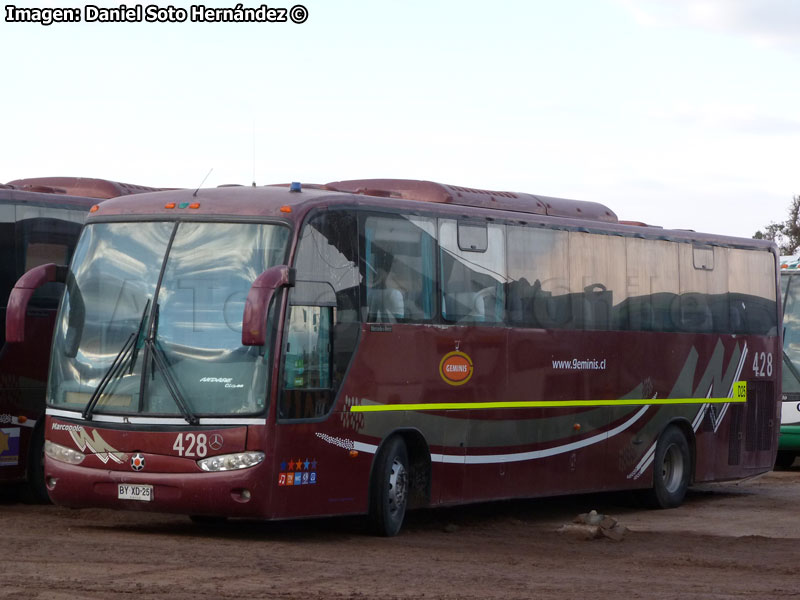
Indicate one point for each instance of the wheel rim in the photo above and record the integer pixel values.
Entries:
(398, 487)
(672, 469)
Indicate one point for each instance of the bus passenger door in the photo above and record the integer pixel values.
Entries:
(320, 335)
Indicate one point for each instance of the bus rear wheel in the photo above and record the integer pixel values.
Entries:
(671, 470)
(389, 488)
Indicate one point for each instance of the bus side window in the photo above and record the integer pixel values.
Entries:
(597, 274)
(8, 271)
(473, 280)
(752, 293)
(538, 268)
(399, 267)
(41, 241)
(651, 286)
(703, 303)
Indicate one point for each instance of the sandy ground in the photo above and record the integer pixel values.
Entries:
(726, 541)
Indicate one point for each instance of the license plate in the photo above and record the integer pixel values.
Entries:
(127, 491)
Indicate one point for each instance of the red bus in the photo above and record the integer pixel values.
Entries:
(40, 221)
(365, 347)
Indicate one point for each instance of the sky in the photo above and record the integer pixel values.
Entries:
(678, 113)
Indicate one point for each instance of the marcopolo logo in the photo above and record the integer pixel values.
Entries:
(456, 368)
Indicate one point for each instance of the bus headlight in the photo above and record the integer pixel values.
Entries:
(231, 462)
(62, 453)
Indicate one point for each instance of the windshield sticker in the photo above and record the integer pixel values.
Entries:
(228, 381)
(9, 447)
(298, 472)
(456, 368)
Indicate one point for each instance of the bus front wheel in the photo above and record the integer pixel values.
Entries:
(671, 470)
(389, 488)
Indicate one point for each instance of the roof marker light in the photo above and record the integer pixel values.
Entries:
(295, 187)
(95, 208)
(286, 209)
(169, 205)
(183, 205)
(194, 205)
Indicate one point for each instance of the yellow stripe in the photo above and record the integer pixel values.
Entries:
(739, 396)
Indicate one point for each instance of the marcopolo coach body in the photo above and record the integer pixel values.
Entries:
(368, 346)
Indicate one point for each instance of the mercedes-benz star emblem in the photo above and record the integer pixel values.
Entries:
(137, 461)
(215, 442)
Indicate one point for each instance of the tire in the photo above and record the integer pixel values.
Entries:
(389, 488)
(37, 490)
(671, 470)
(785, 460)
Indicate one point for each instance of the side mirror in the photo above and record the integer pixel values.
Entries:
(22, 293)
(254, 321)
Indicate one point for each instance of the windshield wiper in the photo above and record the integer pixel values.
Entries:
(139, 333)
(172, 385)
(160, 360)
(129, 348)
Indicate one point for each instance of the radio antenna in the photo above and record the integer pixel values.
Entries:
(254, 153)
(202, 182)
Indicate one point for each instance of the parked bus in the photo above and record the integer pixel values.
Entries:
(364, 347)
(789, 440)
(40, 220)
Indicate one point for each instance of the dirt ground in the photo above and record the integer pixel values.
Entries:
(726, 541)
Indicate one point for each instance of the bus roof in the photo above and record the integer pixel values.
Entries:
(291, 202)
(10, 195)
(85, 187)
(270, 199)
(429, 191)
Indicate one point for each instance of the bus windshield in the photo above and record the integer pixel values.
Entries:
(151, 319)
(791, 335)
